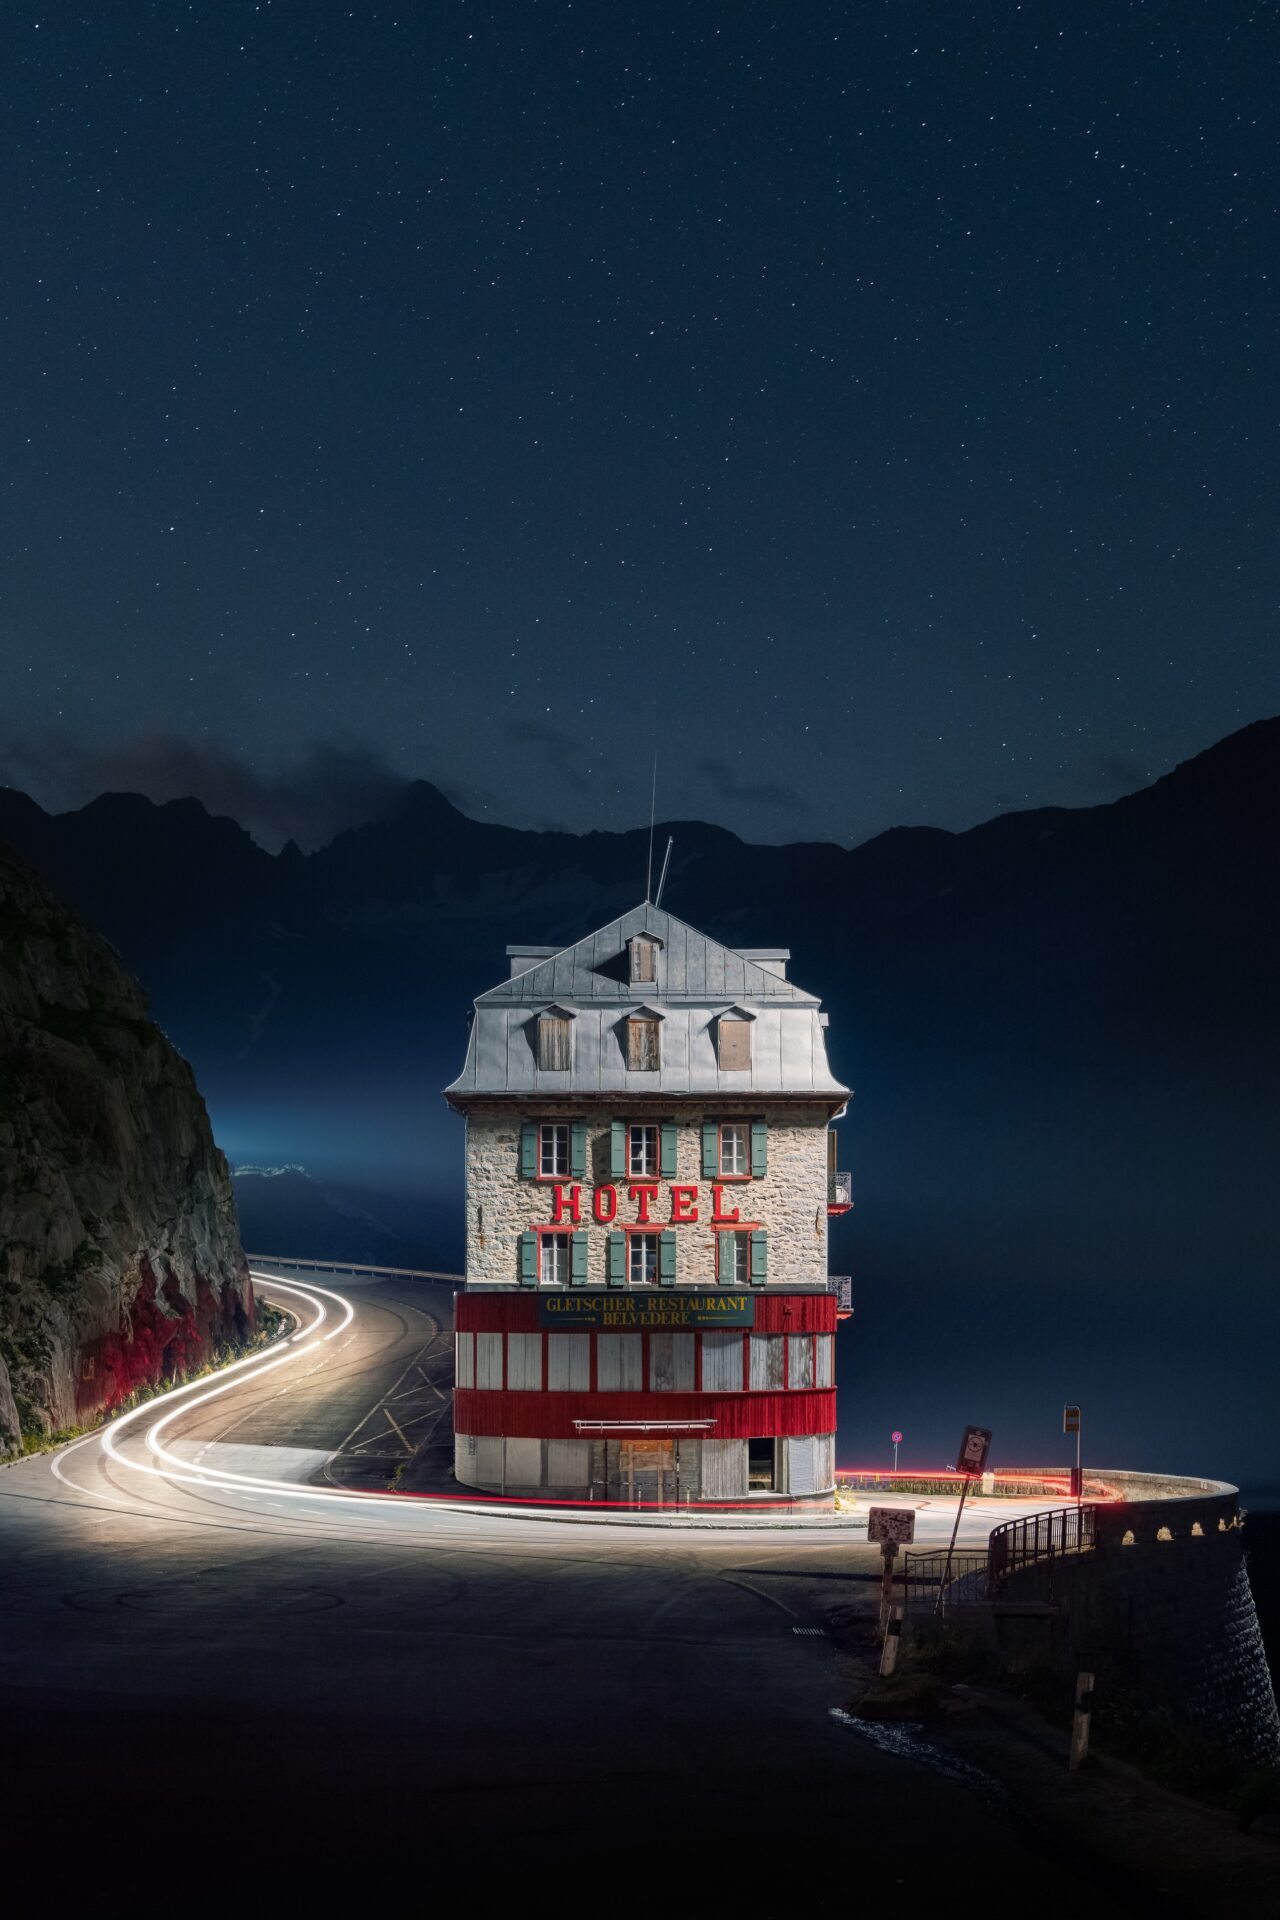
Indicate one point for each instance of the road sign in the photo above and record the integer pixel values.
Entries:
(1071, 1419)
(973, 1450)
(896, 1438)
(892, 1524)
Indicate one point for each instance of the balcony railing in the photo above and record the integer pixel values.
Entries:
(839, 1192)
(841, 1284)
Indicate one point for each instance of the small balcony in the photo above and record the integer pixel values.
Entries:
(841, 1284)
(839, 1192)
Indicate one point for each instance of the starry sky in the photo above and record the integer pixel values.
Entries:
(869, 408)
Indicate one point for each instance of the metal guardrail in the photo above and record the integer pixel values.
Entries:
(923, 1573)
(1038, 1537)
(352, 1266)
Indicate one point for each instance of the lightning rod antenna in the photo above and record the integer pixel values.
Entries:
(662, 877)
(653, 801)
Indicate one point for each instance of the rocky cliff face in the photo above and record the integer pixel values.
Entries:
(122, 1263)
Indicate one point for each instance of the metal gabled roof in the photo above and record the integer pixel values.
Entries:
(690, 967)
(698, 981)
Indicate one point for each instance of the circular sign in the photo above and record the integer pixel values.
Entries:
(896, 1439)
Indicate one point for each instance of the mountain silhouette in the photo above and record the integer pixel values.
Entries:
(1061, 1026)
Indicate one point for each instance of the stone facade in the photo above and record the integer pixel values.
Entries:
(789, 1200)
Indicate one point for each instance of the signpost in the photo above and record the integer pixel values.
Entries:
(972, 1461)
(896, 1438)
(893, 1527)
(1071, 1424)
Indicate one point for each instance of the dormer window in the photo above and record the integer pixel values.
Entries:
(555, 1040)
(643, 957)
(644, 1054)
(733, 1040)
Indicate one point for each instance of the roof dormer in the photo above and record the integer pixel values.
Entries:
(642, 959)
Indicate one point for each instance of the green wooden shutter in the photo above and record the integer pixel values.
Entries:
(528, 1151)
(528, 1259)
(759, 1148)
(577, 1259)
(710, 1150)
(578, 1150)
(618, 1150)
(617, 1259)
(759, 1257)
(668, 1160)
(667, 1257)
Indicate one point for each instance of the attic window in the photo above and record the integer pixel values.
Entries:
(642, 1045)
(553, 1042)
(733, 1044)
(644, 961)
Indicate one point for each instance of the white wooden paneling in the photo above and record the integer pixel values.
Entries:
(766, 1359)
(826, 1342)
(825, 1466)
(802, 1464)
(568, 1463)
(488, 1463)
(524, 1362)
(489, 1360)
(524, 1462)
(619, 1360)
(464, 1360)
(671, 1362)
(568, 1362)
(724, 1469)
(464, 1458)
(722, 1363)
(799, 1359)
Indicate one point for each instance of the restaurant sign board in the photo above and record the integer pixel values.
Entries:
(567, 1312)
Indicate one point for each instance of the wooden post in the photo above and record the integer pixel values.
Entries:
(1080, 1724)
(892, 1641)
(889, 1553)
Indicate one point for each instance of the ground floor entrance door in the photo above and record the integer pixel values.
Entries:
(645, 1472)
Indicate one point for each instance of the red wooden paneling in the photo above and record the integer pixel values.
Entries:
(550, 1416)
(518, 1312)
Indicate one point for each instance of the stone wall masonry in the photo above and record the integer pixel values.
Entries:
(790, 1200)
(1164, 1604)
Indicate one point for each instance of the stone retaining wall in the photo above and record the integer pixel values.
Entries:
(1164, 1603)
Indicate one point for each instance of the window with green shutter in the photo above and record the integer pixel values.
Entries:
(668, 1161)
(759, 1148)
(759, 1257)
(578, 1259)
(710, 1150)
(617, 1261)
(578, 1150)
(528, 1259)
(618, 1150)
(667, 1258)
(529, 1151)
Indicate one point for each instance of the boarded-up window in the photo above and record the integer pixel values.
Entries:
(568, 1362)
(568, 1463)
(722, 1362)
(735, 1045)
(553, 1042)
(524, 1362)
(671, 1362)
(464, 1365)
(618, 1362)
(766, 1359)
(643, 961)
(800, 1360)
(825, 1343)
(489, 1360)
(642, 1045)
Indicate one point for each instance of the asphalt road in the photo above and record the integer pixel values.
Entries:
(207, 1661)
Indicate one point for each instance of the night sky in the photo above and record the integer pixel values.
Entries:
(869, 407)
